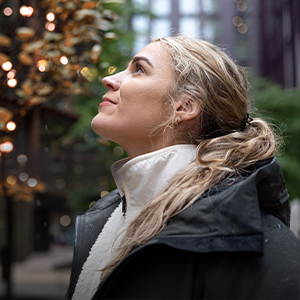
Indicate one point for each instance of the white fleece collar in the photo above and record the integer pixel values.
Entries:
(142, 177)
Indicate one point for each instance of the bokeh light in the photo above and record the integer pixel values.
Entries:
(6, 66)
(7, 11)
(104, 193)
(23, 176)
(12, 180)
(26, 11)
(6, 147)
(243, 28)
(60, 183)
(11, 126)
(42, 64)
(22, 159)
(11, 74)
(241, 6)
(32, 182)
(237, 21)
(50, 26)
(65, 220)
(12, 82)
(50, 17)
(64, 60)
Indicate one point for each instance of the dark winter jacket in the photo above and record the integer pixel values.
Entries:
(233, 243)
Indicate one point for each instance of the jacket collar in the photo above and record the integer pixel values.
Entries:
(142, 177)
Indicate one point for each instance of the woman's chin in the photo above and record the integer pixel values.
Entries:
(96, 125)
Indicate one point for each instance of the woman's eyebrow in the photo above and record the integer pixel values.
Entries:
(137, 58)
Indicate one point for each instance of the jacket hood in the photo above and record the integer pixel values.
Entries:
(228, 216)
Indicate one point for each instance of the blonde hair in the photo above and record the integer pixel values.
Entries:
(226, 144)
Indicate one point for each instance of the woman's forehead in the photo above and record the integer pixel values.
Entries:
(156, 53)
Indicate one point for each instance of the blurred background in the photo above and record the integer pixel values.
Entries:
(53, 54)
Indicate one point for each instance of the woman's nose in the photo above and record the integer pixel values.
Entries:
(112, 82)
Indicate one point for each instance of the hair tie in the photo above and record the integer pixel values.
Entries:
(246, 120)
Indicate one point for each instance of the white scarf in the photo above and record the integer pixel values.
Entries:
(139, 179)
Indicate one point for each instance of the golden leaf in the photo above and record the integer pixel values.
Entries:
(20, 93)
(3, 58)
(54, 54)
(40, 187)
(75, 67)
(72, 41)
(45, 90)
(4, 139)
(104, 25)
(67, 83)
(114, 1)
(25, 59)
(85, 13)
(31, 47)
(5, 114)
(110, 36)
(2, 125)
(5, 41)
(34, 101)
(89, 5)
(25, 33)
(52, 36)
(67, 50)
(95, 52)
(27, 87)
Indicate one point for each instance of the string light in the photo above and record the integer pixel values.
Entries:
(60, 183)
(64, 60)
(12, 180)
(237, 21)
(104, 193)
(65, 220)
(243, 28)
(242, 6)
(22, 159)
(26, 11)
(50, 17)
(11, 126)
(11, 74)
(6, 66)
(6, 147)
(42, 64)
(12, 82)
(50, 26)
(32, 182)
(7, 11)
(23, 176)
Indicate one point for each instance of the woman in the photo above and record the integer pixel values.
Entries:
(201, 210)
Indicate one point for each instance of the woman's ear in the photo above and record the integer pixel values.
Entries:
(188, 109)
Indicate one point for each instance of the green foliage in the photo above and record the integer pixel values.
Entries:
(116, 53)
(281, 108)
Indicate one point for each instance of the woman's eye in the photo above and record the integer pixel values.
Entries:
(138, 68)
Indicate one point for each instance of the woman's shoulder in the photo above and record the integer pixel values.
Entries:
(229, 216)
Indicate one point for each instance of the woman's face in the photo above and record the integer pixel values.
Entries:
(135, 102)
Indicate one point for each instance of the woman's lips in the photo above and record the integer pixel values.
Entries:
(106, 102)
